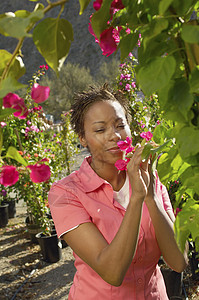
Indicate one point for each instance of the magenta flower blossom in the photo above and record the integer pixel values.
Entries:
(10, 99)
(133, 84)
(128, 87)
(146, 135)
(117, 4)
(97, 4)
(128, 30)
(14, 101)
(121, 164)
(21, 109)
(40, 93)
(123, 145)
(39, 173)
(109, 39)
(158, 122)
(9, 175)
(34, 128)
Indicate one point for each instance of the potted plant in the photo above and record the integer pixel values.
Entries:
(3, 208)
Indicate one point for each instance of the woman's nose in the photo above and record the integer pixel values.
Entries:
(114, 135)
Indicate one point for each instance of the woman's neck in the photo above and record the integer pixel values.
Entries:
(109, 173)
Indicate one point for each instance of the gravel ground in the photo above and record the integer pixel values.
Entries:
(23, 273)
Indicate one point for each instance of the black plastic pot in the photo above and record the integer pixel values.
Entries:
(32, 230)
(50, 248)
(173, 281)
(194, 261)
(11, 209)
(3, 214)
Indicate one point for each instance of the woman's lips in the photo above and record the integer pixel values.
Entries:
(114, 150)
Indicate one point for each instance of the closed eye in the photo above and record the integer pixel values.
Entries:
(100, 130)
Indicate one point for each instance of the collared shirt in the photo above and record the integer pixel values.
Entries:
(83, 197)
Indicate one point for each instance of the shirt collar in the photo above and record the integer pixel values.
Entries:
(90, 180)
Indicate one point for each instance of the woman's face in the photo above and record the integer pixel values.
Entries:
(105, 124)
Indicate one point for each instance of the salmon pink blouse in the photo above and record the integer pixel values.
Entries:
(83, 197)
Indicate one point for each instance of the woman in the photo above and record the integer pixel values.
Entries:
(118, 223)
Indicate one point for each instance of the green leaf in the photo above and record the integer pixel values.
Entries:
(161, 147)
(127, 44)
(190, 33)
(156, 74)
(10, 85)
(194, 80)
(16, 25)
(176, 100)
(160, 134)
(164, 5)
(100, 18)
(53, 38)
(83, 5)
(146, 151)
(17, 68)
(187, 222)
(187, 141)
(14, 154)
(6, 113)
(154, 28)
(165, 170)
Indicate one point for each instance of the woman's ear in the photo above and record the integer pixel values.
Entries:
(83, 141)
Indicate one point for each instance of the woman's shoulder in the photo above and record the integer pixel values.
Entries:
(66, 181)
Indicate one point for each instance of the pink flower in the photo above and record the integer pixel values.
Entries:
(123, 145)
(14, 101)
(10, 99)
(130, 149)
(40, 93)
(109, 40)
(97, 4)
(117, 4)
(128, 31)
(127, 87)
(39, 172)
(3, 124)
(21, 110)
(9, 175)
(133, 84)
(121, 164)
(146, 135)
(158, 122)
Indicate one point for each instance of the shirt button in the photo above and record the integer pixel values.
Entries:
(139, 281)
(140, 258)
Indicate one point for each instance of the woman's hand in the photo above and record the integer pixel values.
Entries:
(139, 175)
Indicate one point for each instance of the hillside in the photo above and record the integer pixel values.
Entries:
(84, 50)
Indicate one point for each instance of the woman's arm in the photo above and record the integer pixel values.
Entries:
(163, 225)
(111, 261)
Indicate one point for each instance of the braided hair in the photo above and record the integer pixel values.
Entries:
(83, 101)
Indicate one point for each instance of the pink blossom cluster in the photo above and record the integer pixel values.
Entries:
(146, 135)
(31, 128)
(38, 93)
(109, 38)
(121, 164)
(126, 80)
(39, 173)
